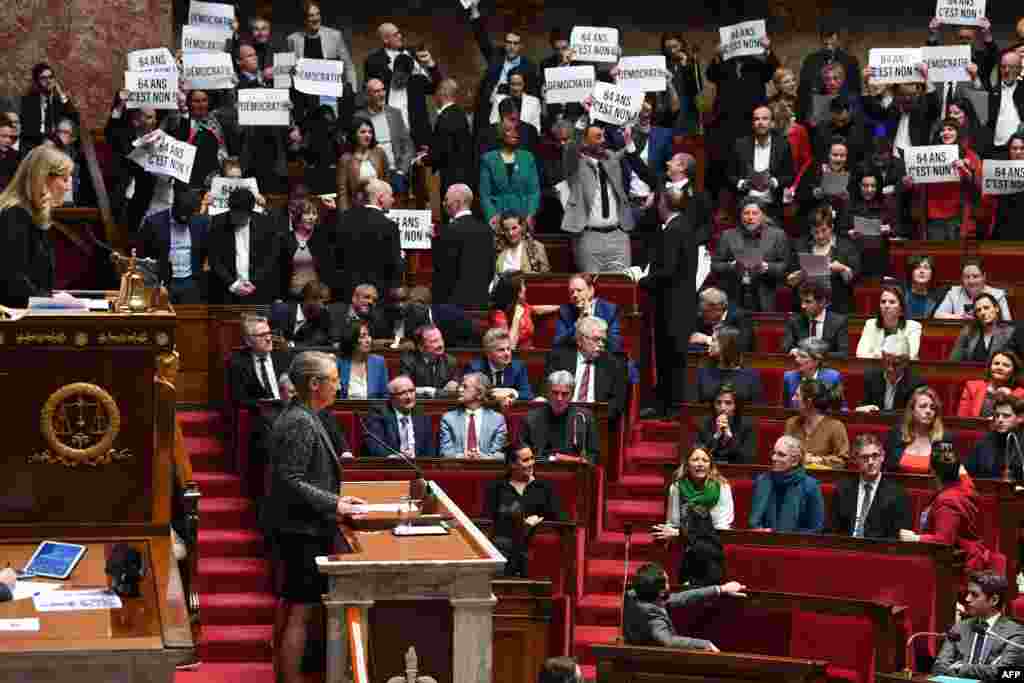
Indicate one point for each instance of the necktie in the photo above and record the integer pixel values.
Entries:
(947, 98)
(979, 644)
(471, 442)
(865, 505)
(602, 177)
(582, 390)
(265, 376)
(498, 377)
(814, 328)
(406, 442)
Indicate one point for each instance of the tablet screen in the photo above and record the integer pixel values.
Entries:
(55, 559)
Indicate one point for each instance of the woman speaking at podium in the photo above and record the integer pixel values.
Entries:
(26, 253)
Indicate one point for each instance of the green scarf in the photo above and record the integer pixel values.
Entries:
(706, 497)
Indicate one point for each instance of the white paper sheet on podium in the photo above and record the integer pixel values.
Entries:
(29, 589)
(375, 507)
(814, 265)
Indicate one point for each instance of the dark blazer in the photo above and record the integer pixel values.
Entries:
(265, 260)
(673, 271)
(922, 111)
(243, 382)
(835, 333)
(874, 388)
(996, 655)
(341, 323)
(316, 332)
(741, 83)
(383, 423)
(734, 317)
(995, 97)
(568, 315)
(31, 113)
(451, 149)
(320, 245)
(741, 448)
(609, 384)
(746, 380)
(989, 457)
(155, 242)
(810, 77)
(376, 66)
(463, 263)
(495, 58)
(368, 249)
(648, 623)
(847, 253)
(26, 259)
(775, 246)
(537, 433)
(414, 365)
(780, 165)
(889, 511)
(512, 377)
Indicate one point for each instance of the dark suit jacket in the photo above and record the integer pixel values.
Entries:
(671, 279)
(741, 83)
(648, 623)
(810, 77)
(847, 253)
(992, 649)
(155, 242)
(536, 432)
(26, 259)
(889, 511)
(31, 113)
(265, 261)
(989, 457)
(995, 97)
(495, 58)
(383, 423)
(244, 383)
(414, 365)
(775, 246)
(741, 448)
(568, 315)
(314, 332)
(418, 89)
(923, 111)
(609, 383)
(368, 250)
(512, 377)
(780, 165)
(451, 149)
(734, 317)
(834, 334)
(463, 263)
(874, 388)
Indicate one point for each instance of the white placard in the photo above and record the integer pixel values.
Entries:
(568, 84)
(932, 164)
(28, 624)
(211, 15)
(963, 12)
(208, 71)
(895, 65)
(595, 43)
(263, 107)
(72, 600)
(156, 59)
(1002, 177)
(284, 62)
(643, 73)
(615, 105)
(743, 39)
(155, 89)
(221, 188)
(415, 227)
(166, 156)
(201, 39)
(319, 77)
(947, 62)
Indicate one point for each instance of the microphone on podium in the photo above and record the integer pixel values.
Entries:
(627, 528)
(419, 488)
(951, 635)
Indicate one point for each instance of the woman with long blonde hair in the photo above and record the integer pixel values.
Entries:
(26, 253)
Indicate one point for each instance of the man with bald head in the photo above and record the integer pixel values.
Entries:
(368, 245)
(1006, 102)
(451, 148)
(463, 253)
(392, 132)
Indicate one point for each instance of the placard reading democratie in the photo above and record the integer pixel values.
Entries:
(615, 105)
(743, 39)
(155, 59)
(284, 62)
(932, 163)
(319, 77)
(895, 65)
(568, 84)
(166, 156)
(415, 227)
(947, 62)
(221, 188)
(200, 39)
(264, 107)
(595, 43)
(964, 12)
(211, 14)
(208, 71)
(643, 73)
(1002, 177)
(154, 89)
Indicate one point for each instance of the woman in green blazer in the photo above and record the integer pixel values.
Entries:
(508, 180)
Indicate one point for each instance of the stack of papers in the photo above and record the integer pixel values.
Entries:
(76, 600)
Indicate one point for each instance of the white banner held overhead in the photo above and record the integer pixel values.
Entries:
(319, 77)
(156, 59)
(211, 15)
(643, 73)
(568, 84)
(263, 107)
(284, 62)
(895, 65)
(1002, 177)
(415, 227)
(208, 71)
(947, 62)
(744, 39)
(221, 188)
(155, 89)
(200, 39)
(595, 43)
(963, 12)
(932, 164)
(166, 156)
(615, 105)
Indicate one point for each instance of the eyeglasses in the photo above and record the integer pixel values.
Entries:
(871, 456)
(263, 335)
(403, 392)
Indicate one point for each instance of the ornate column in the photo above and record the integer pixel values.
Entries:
(473, 626)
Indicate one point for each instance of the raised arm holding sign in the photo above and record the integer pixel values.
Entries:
(962, 12)
(155, 59)
(155, 90)
(743, 39)
(208, 71)
(323, 77)
(264, 107)
(201, 39)
(211, 15)
(568, 84)
(615, 105)
(595, 44)
(643, 73)
(933, 164)
(895, 65)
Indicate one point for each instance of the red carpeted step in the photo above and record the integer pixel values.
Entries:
(207, 453)
(236, 643)
(228, 672)
(233, 575)
(649, 457)
(658, 430)
(200, 422)
(586, 636)
(611, 545)
(643, 513)
(589, 672)
(599, 609)
(237, 608)
(227, 513)
(231, 543)
(646, 485)
(218, 484)
(605, 576)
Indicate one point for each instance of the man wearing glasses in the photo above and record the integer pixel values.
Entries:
(889, 387)
(253, 370)
(599, 376)
(870, 506)
(43, 107)
(398, 426)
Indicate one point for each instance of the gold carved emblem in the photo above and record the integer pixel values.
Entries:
(81, 338)
(80, 422)
(127, 337)
(52, 337)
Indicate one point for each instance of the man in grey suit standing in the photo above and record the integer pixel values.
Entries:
(645, 616)
(391, 132)
(471, 430)
(317, 41)
(981, 651)
(597, 212)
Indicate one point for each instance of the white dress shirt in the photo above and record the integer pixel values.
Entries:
(407, 435)
(860, 501)
(580, 366)
(399, 99)
(181, 250)
(241, 257)
(1008, 120)
(901, 143)
(382, 130)
(596, 219)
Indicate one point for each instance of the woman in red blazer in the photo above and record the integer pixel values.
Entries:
(1003, 375)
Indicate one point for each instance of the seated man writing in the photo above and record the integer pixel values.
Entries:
(645, 617)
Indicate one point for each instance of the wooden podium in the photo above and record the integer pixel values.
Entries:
(630, 664)
(430, 592)
(88, 453)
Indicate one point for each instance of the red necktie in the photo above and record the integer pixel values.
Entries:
(471, 442)
(581, 391)
(814, 327)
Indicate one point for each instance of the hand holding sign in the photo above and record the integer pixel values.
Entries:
(743, 39)
(615, 105)
(595, 44)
